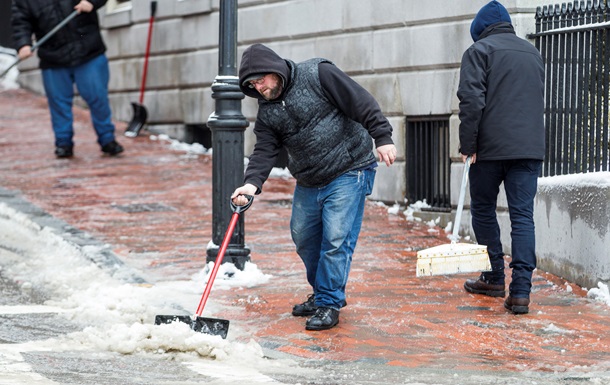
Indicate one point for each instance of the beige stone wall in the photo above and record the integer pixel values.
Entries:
(405, 52)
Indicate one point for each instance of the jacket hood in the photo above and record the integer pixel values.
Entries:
(259, 59)
(492, 13)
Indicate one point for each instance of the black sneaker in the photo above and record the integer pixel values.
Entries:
(64, 152)
(306, 308)
(112, 148)
(325, 318)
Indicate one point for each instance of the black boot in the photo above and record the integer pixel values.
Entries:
(485, 287)
(325, 318)
(64, 151)
(112, 148)
(517, 305)
(306, 308)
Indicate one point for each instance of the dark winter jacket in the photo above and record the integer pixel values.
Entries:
(323, 118)
(501, 93)
(76, 43)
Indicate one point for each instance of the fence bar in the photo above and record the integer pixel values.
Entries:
(428, 167)
(574, 40)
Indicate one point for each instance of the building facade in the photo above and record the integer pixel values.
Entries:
(405, 52)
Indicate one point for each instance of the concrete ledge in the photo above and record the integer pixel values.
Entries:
(572, 215)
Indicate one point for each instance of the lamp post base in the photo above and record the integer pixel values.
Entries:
(235, 255)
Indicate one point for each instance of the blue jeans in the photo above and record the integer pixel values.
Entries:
(91, 79)
(520, 179)
(325, 224)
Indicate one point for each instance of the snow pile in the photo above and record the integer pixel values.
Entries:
(7, 58)
(568, 182)
(170, 338)
(191, 149)
(601, 293)
(229, 276)
(409, 210)
(119, 316)
(393, 210)
(553, 329)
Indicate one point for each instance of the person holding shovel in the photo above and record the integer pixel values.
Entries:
(75, 54)
(501, 93)
(325, 120)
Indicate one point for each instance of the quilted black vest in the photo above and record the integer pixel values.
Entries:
(322, 142)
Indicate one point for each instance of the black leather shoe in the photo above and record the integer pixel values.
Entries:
(517, 305)
(325, 318)
(306, 308)
(483, 286)
(112, 148)
(64, 152)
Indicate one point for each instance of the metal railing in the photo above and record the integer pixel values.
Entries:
(574, 40)
(428, 162)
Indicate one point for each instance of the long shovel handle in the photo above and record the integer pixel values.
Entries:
(153, 10)
(9, 68)
(221, 253)
(54, 30)
(458, 214)
(44, 39)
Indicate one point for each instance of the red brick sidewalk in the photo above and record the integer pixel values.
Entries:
(392, 317)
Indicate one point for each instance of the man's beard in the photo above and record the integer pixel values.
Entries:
(274, 92)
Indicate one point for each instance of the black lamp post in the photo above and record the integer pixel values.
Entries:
(227, 125)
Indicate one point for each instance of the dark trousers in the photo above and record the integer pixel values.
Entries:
(520, 179)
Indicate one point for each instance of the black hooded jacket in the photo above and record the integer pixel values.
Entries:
(76, 43)
(323, 118)
(501, 93)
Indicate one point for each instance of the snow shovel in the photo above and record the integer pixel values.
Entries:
(43, 39)
(454, 257)
(214, 326)
(140, 114)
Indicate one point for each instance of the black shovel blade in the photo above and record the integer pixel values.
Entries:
(137, 122)
(168, 319)
(213, 326)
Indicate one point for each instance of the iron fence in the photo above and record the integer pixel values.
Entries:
(574, 40)
(428, 162)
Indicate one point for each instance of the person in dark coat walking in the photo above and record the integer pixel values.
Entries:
(501, 93)
(325, 120)
(74, 55)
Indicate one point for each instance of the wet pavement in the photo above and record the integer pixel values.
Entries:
(153, 207)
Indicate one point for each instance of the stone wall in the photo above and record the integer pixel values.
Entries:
(405, 52)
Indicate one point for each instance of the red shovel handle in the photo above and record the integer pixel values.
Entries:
(221, 253)
(153, 10)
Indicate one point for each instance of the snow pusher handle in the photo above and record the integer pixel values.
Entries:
(458, 214)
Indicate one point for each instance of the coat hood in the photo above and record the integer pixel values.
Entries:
(259, 60)
(492, 13)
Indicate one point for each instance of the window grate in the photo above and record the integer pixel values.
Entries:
(428, 162)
